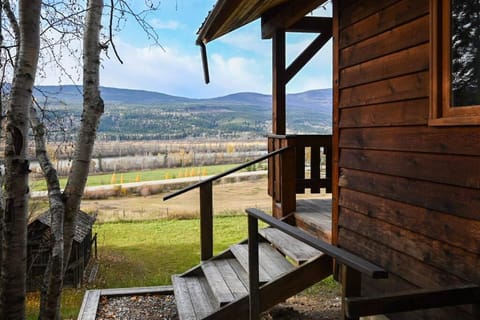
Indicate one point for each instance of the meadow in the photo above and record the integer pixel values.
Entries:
(139, 176)
(146, 253)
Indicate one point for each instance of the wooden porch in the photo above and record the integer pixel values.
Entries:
(222, 286)
(306, 203)
(314, 216)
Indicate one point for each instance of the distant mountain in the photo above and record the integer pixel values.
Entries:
(161, 116)
(73, 95)
(250, 98)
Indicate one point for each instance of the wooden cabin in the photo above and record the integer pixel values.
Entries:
(38, 250)
(402, 164)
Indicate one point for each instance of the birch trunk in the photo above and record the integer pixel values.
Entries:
(92, 111)
(14, 228)
(2, 208)
(51, 290)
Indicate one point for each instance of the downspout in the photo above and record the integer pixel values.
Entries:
(203, 50)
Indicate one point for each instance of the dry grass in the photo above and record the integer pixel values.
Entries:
(229, 198)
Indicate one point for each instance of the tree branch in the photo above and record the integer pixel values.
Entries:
(53, 278)
(110, 29)
(12, 20)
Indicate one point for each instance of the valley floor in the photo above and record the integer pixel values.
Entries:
(228, 198)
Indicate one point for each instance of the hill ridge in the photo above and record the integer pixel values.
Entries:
(132, 114)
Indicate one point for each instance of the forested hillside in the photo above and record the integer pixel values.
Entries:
(144, 115)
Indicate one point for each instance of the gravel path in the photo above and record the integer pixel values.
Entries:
(162, 307)
(147, 307)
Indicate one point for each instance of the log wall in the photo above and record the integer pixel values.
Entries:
(408, 193)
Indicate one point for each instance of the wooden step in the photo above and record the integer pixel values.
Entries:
(272, 263)
(291, 247)
(193, 297)
(279, 289)
(227, 279)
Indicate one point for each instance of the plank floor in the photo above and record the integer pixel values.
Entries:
(315, 217)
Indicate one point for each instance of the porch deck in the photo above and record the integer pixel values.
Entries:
(315, 217)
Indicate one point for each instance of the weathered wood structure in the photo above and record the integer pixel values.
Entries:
(38, 249)
(403, 163)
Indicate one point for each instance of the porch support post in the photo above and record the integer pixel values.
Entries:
(206, 221)
(351, 287)
(278, 85)
(253, 271)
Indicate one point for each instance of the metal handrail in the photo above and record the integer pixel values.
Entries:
(223, 174)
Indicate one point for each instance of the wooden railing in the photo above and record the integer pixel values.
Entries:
(310, 154)
(353, 266)
(206, 202)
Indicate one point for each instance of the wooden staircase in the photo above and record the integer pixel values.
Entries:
(218, 287)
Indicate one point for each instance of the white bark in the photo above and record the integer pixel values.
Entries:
(92, 111)
(53, 279)
(13, 268)
(63, 208)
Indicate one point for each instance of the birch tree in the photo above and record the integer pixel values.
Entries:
(64, 205)
(14, 215)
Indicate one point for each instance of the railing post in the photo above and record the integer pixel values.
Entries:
(288, 178)
(96, 246)
(351, 287)
(206, 221)
(253, 265)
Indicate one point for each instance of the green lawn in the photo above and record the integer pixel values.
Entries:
(147, 254)
(135, 254)
(136, 176)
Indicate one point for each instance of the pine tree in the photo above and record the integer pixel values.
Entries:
(465, 53)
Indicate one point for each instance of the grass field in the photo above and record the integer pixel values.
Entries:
(137, 176)
(147, 253)
(142, 241)
(227, 198)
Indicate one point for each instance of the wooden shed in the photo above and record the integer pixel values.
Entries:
(38, 249)
(403, 161)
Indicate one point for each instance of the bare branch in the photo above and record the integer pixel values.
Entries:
(12, 19)
(110, 29)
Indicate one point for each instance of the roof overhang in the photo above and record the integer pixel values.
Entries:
(228, 15)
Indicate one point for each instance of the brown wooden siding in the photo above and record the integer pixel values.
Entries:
(408, 194)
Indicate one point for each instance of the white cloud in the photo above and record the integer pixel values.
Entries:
(239, 74)
(179, 73)
(248, 39)
(167, 25)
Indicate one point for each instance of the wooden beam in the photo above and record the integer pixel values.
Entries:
(206, 221)
(284, 16)
(351, 287)
(306, 55)
(412, 300)
(312, 25)
(335, 130)
(253, 269)
(278, 85)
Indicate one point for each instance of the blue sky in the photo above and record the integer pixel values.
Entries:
(239, 61)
